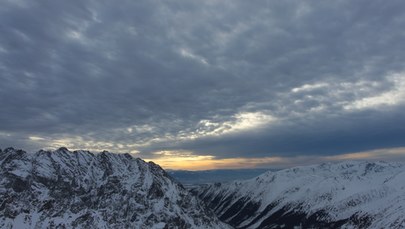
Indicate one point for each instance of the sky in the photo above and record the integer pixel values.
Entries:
(205, 84)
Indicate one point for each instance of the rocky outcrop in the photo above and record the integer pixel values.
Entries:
(63, 189)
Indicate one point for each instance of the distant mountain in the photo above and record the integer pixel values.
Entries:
(343, 195)
(63, 189)
(212, 176)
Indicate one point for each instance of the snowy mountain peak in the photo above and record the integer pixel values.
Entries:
(79, 189)
(334, 195)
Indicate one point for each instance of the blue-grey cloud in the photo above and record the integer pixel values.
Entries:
(224, 78)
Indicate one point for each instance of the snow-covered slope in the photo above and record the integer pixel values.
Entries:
(63, 189)
(343, 195)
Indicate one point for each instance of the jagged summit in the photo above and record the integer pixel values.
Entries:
(349, 194)
(79, 189)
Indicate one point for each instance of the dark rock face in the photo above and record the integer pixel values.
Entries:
(342, 195)
(63, 189)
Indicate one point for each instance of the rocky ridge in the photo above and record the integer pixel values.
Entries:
(79, 189)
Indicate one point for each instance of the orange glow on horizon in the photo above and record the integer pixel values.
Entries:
(209, 162)
(188, 161)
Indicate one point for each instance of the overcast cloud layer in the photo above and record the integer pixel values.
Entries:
(221, 78)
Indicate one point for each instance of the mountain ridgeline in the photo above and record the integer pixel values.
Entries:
(343, 195)
(79, 189)
(63, 189)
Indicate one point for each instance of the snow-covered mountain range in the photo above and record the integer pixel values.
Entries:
(63, 189)
(343, 195)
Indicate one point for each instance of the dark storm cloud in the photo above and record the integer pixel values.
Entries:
(147, 75)
(320, 136)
